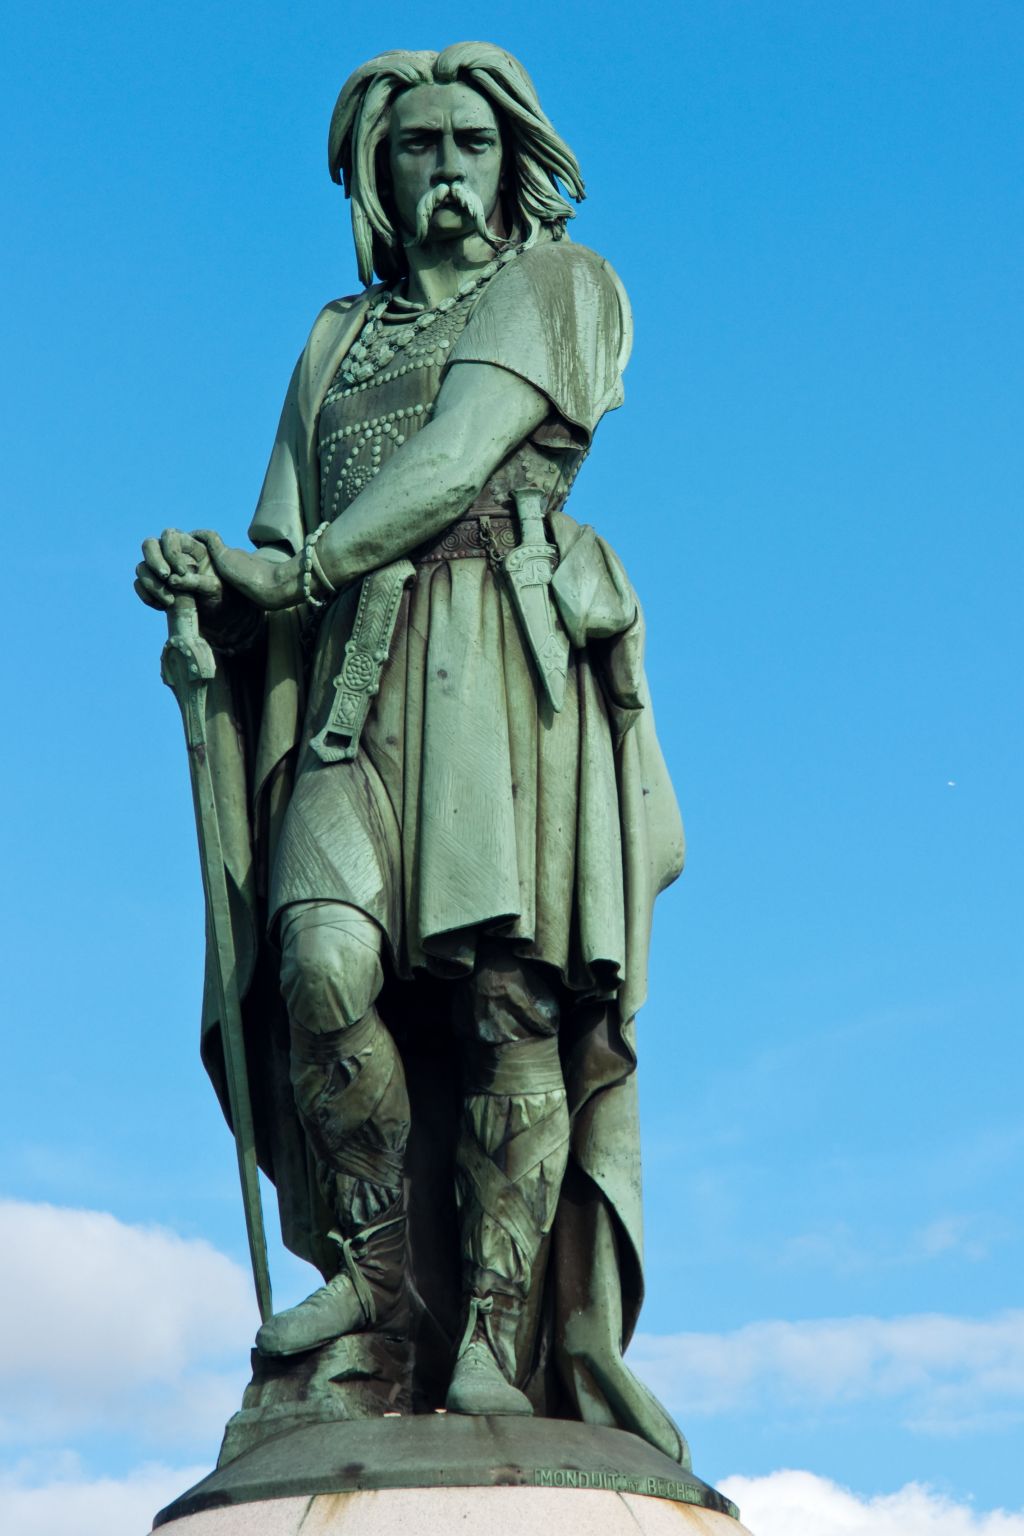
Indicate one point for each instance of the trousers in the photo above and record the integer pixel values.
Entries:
(351, 1095)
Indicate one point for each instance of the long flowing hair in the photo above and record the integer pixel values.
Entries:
(537, 158)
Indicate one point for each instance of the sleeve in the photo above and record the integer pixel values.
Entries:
(559, 318)
(278, 517)
(289, 500)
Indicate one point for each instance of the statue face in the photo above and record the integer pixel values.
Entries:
(444, 134)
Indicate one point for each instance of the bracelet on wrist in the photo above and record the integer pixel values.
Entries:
(312, 570)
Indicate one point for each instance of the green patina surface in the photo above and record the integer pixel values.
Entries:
(449, 1451)
(433, 814)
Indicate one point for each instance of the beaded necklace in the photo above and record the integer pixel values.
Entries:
(358, 364)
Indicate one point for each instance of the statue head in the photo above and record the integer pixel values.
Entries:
(505, 185)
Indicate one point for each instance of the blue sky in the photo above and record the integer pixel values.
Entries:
(816, 487)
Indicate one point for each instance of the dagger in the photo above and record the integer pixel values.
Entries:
(528, 569)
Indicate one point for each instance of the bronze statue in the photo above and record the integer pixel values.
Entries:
(428, 754)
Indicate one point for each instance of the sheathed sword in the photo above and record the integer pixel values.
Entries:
(529, 569)
(366, 651)
(186, 666)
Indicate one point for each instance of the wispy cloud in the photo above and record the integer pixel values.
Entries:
(843, 1251)
(944, 1374)
(948, 1235)
(800, 1504)
(110, 1327)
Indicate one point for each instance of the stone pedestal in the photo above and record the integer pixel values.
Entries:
(431, 1474)
(475, 1511)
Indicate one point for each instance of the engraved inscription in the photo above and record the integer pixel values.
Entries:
(618, 1482)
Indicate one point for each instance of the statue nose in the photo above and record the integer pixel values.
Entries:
(449, 161)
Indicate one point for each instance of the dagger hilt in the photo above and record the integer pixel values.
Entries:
(531, 504)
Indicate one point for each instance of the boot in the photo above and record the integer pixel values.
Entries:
(485, 1368)
(367, 1292)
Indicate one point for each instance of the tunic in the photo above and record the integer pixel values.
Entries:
(471, 806)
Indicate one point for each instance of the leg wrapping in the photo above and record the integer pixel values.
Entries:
(346, 1073)
(514, 1138)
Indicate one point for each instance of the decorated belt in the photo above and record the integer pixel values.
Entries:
(484, 533)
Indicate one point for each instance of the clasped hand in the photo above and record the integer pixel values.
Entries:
(201, 565)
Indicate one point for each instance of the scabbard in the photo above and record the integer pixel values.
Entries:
(366, 651)
(528, 571)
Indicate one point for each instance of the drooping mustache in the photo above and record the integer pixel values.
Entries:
(454, 192)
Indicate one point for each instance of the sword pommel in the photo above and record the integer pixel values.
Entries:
(187, 659)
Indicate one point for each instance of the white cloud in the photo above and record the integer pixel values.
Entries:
(106, 1326)
(801, 1504)
(103, 1506)
(945, 1374)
